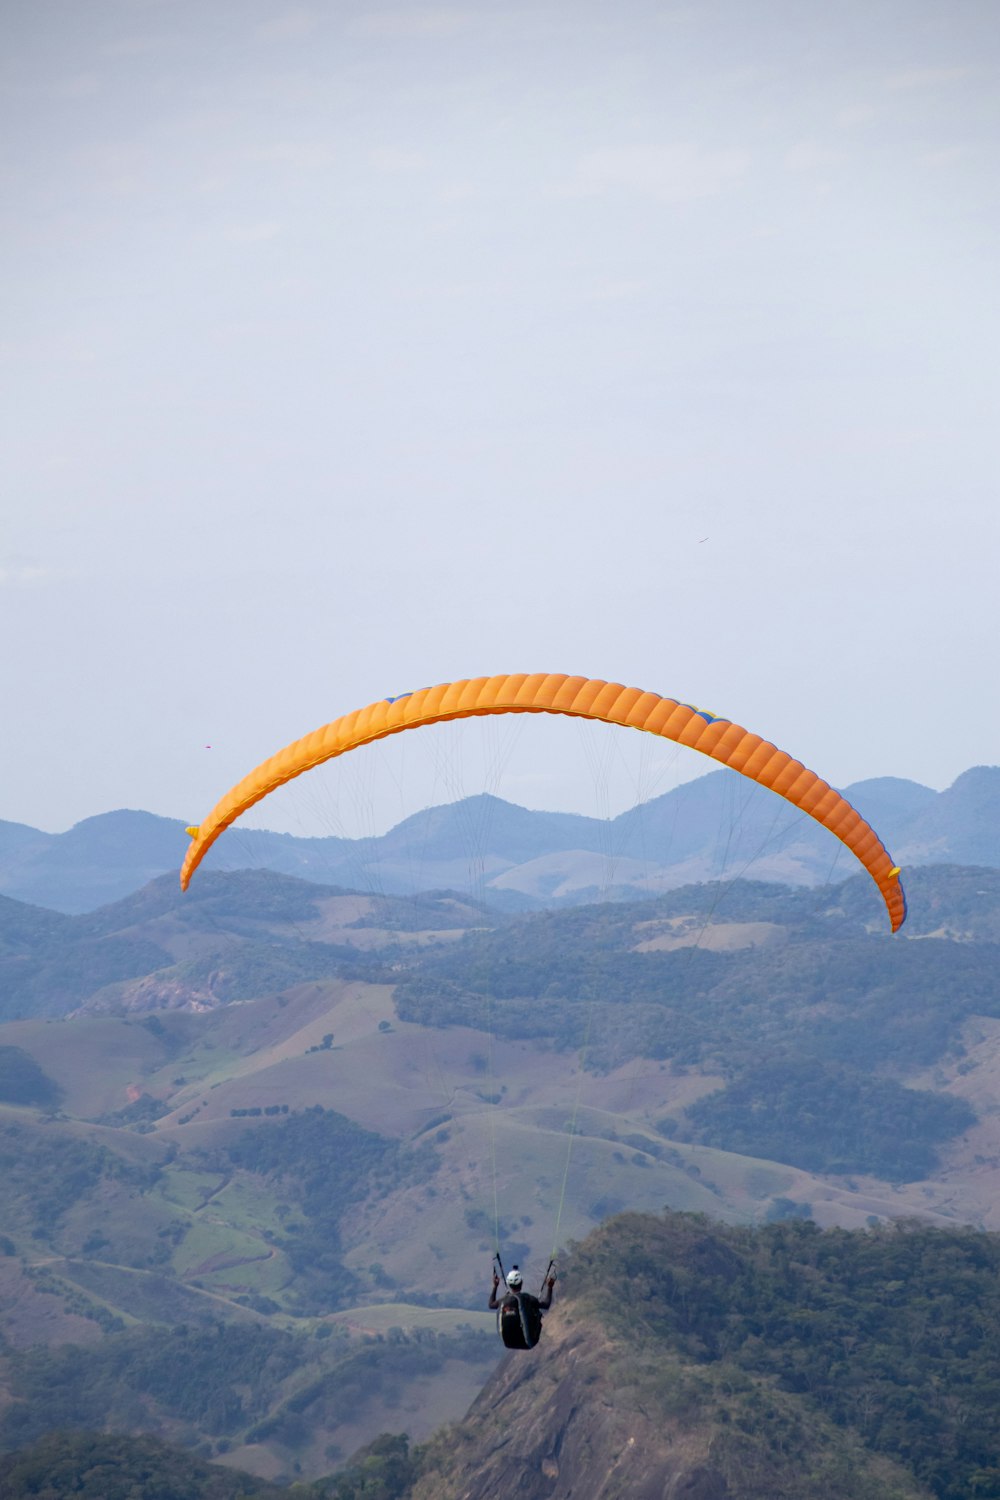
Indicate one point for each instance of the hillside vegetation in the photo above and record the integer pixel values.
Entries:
(684, 1357)
(100, 1466)
(249, 1195)
(894, 1331)
(748, 1363)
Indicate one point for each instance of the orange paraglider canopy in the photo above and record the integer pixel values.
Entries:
(576, 697)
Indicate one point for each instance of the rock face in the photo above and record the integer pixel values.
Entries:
(552, 1425)
(589, 1415)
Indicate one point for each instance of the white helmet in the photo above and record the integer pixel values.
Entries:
(514, 1279)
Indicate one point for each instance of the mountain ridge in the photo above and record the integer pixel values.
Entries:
(717, 826)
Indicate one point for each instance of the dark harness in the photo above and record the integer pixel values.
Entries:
(519, 1318)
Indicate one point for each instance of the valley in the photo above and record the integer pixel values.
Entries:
(222, 1143)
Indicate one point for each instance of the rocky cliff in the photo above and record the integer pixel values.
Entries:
(587, 1416)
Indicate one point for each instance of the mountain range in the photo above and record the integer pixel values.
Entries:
(720, 826)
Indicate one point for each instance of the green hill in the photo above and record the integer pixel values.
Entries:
(683, 1357)
(691, 1358)
(100, 1466)
(317, 1117)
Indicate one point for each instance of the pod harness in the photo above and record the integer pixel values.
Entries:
(519, 1316)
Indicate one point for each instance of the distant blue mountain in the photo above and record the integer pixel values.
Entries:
(720, 826)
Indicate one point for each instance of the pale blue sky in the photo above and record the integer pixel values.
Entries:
(350, 348)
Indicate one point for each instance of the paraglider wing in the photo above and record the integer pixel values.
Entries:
(576, 697)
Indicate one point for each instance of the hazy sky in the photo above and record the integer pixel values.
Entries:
(352, 348)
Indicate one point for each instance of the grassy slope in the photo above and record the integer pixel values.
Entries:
(269, 1052)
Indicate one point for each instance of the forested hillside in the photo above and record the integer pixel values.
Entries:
(684, 1357)
(259, 1143)
(728, 1362)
